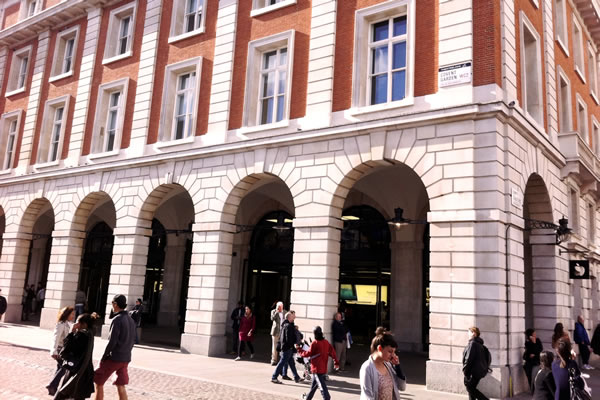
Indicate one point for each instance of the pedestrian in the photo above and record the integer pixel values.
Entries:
(531, 356)
(287, 347)
(78, 383)
(339, 338)
(29, 297)
(117, 354)
(474, 364)
(299, 338)
(246, 334)
(381, 376)
(136, 316)
(595, 337)
(560, 369)
(559, 332)
(64, 323)
(3, 305)
(544, 386)
(236, 317)
(40, 297)
(277, 316)
(582, 339)
(319, 353)
(80, 300)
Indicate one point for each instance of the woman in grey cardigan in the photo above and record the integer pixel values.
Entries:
(381, 377)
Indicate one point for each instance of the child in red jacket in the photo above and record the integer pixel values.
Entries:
(319, 353)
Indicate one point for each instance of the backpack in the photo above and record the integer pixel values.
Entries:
(579, 388)
(487, 357)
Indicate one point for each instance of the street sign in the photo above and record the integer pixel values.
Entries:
(579, 269)
(455, 74)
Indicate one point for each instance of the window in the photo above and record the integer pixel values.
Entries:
(9, 124)
(187, 19)
(53, 130)
(582, 124)
(180, 100)
(264, 6)
(574, 211)
(19, 69)
(592, 81)
(64, 53)
(560, 17)
(591, 223)
(110, 111)
(29, 8)
(578, 48)
(268, 80)
(564, 102)
(531, 70)
(595, 136)
(383, 55)
(119, 39)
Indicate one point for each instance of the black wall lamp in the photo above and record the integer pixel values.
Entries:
(563, 232)
(399, 221)
(281, 224)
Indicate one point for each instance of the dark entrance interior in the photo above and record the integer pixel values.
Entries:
(95, 267)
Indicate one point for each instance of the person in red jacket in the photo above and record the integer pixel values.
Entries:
(319, 353)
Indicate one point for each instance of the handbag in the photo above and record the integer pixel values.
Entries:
(579, 388)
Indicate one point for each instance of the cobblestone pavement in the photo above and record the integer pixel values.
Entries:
(26, 371)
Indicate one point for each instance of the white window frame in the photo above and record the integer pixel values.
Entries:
(526, 24)
(169, 100)
(114, 33)
(560, 18)
(591, 215)
(47, 130)
(178, 21)
(5, 123)
(101, 117)
(256, 50)
(26, 11)
(60, 53)
(595, 136)
(260, 7)
(12, 87)
(360, 77)
(562, 107)
(578, 49)
(574, 210)
(592, 71)
(584, 134)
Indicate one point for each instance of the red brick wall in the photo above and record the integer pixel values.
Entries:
(487, 48)
(11, 15)
(125, 68)
(426, 51)
(198, 45)
(50, 3)
(295, 17)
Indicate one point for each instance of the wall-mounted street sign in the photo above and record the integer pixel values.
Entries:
(517, 198)
(455, 74)
(579, 269)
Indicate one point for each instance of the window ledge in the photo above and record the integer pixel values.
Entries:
(6, 171)
(409, 101)
(564, 48)
(173, 39)
(265, 127)
(581, 75)
(117, 58)
(14, 92)
(61, 76)
(172, 143)
(106, 154)
(268, 9)
(595, 98)
(46, 164)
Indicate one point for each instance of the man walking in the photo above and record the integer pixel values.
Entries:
(339, 338)
(288, 343)
(583, 341)
(117, 355)
(277, 316)
(474, 364)
(236, 317)
(3, 305)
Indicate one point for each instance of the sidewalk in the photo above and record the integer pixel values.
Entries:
(248, 374)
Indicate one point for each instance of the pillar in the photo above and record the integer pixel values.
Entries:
(13, 267)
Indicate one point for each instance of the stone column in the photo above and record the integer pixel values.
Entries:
(315, 274)
(13, 267)
(208, 291)
(128, 269)
(63, 273)
(170, 295)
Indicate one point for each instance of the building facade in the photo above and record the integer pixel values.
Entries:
(199, 152)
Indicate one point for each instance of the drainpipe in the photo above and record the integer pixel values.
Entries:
(507, 287)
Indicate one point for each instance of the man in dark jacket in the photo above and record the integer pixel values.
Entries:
(580, 336)
(596, 340)
(474, 364)
(339, 338)
(117, 355)
(236, 317)
(3, 305)
(288, 342)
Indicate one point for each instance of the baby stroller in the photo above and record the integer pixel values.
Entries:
(305, 362)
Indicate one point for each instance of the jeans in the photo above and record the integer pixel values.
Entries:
(318, 382)
(285, 360)
(285, 367)
(79, 308)
(471, 385)
(60, 372)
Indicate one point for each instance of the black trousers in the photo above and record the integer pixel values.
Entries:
(241, 348)
(474, 394)
(584, 352)
(236, 339)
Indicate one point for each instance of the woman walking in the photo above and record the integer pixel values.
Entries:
(77, 352)
(381, 377)
(544, 387)
(61, 330)
(533, 348)
(246, 334)
(560, 369)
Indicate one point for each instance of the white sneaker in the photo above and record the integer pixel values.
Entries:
(252, 355)
(237, 359)
(587, 366)
(586, 376)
